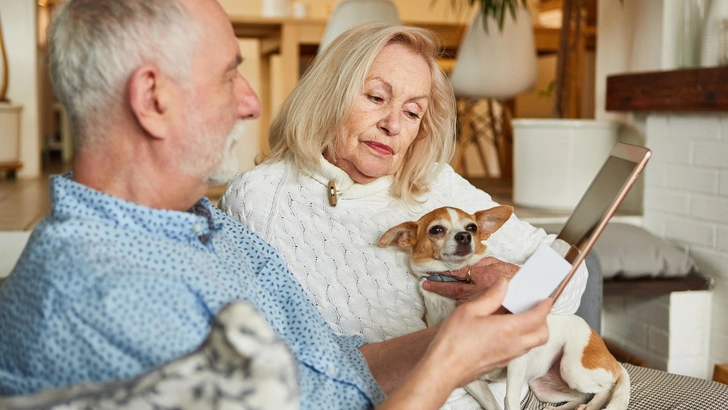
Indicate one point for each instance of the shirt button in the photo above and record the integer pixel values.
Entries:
(197, 227)
(331, 371)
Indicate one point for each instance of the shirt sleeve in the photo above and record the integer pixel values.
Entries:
(354, 340)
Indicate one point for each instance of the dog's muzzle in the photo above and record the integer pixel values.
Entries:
(463, 238)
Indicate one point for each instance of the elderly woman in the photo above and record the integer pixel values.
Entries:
(362, 144)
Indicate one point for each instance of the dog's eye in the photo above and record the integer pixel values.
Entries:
(471, 228)
(436, 230)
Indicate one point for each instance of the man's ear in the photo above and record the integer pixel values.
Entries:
(149, 100)
(403, 235)
(489, 220)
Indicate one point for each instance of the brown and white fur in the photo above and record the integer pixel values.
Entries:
(574, 366)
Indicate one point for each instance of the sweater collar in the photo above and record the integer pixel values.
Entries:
(347, 188)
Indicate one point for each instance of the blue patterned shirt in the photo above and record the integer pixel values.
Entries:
(106, 289)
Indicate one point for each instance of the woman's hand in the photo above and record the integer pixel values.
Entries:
(483, 275)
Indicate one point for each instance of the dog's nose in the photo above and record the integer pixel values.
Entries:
(463, 238)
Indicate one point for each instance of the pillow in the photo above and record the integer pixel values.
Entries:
(632, 252)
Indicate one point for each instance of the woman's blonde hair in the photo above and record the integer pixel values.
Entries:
(309, 120)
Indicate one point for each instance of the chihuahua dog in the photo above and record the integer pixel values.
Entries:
(574, 366)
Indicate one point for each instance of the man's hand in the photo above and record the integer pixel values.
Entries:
(471, 342)
(483, 275)
(474, 340)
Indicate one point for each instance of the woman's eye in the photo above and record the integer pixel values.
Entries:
(376, 98)
(412, 115)
(471, 228)
(436, 230)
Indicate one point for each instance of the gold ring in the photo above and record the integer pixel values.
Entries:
(468, 279)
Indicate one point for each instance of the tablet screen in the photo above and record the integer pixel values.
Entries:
(600, 195)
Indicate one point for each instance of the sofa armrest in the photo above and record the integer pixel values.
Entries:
(590, 308)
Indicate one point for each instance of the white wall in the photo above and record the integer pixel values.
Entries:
(19, 31)
(629, 38)
(686, 201)
(670, 331)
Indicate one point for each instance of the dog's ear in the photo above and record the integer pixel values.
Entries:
(490, 220)
(403, 235)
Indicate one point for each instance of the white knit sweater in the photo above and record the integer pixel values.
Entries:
(359, 287)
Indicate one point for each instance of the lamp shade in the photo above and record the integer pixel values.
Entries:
(497, 64)
(350, 13)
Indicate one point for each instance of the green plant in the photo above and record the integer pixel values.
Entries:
(497, 9)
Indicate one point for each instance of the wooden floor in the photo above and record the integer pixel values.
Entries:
(24, 202)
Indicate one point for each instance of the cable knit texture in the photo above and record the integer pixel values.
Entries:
(359, 287)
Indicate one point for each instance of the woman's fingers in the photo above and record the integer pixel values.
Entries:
(452, 290)
(489, 260)
(483, 275)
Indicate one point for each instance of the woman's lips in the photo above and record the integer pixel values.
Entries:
(380, 148)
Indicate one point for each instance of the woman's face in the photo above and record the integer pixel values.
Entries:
(386, 116)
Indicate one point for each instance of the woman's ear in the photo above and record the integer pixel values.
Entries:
(150, 95)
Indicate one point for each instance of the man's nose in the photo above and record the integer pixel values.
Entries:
(390, 123)
(248, 101)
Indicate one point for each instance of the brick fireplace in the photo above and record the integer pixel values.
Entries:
(686, 202)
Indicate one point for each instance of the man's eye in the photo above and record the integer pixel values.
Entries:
(436, 230)
(471, 228)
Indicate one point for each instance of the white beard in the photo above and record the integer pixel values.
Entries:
(228, 167)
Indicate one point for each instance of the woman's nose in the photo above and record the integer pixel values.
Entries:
(390, 123)
(248, 102)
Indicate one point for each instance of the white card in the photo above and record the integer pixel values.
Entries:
(536, 280)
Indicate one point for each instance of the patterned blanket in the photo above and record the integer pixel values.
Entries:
(241, 365)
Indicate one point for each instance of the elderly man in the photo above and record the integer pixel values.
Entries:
(130, 266)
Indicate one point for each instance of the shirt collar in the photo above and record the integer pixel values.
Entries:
(70, 199)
